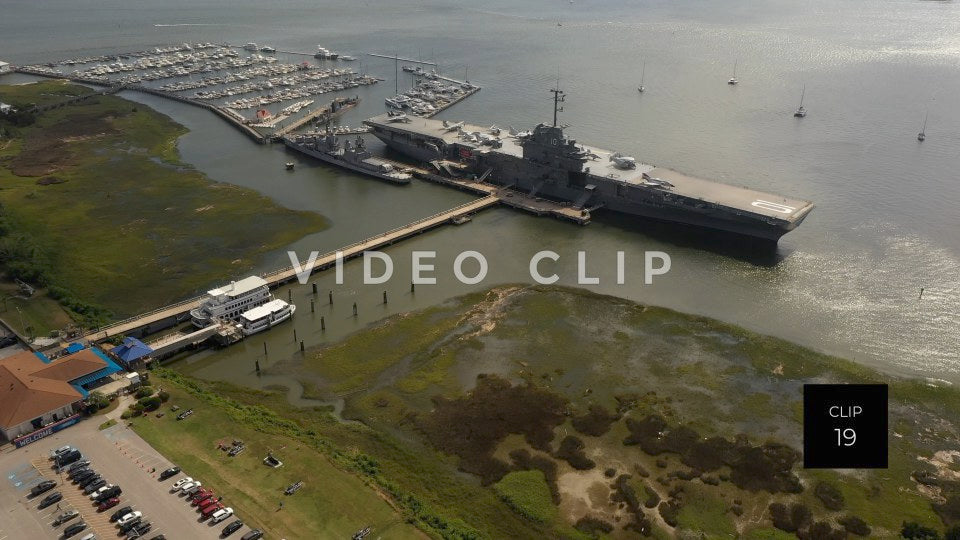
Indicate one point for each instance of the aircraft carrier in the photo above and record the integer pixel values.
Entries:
(546, 163)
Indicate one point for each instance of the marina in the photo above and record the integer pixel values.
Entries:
(242, 84)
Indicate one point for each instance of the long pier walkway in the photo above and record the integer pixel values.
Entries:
(179, 310)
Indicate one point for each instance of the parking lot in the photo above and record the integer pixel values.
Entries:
(122, 458)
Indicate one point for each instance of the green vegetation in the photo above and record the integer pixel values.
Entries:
(333, 503)
(528, 494)
(94, 192)
(711, 415)
(108, 423)
(421, 486)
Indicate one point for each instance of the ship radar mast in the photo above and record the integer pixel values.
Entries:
(558, 98)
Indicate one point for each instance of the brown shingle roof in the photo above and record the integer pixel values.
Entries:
(30, 388)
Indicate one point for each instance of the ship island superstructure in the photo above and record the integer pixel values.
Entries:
(546, 163)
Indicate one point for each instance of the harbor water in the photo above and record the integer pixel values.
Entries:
(846, 282)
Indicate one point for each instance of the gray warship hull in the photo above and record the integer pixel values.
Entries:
(546, 164)
(354, 159)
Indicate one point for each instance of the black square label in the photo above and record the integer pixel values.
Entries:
(845, 426)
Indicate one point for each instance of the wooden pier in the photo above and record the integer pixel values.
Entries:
(179, 310)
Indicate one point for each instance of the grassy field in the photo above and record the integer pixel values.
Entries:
(333, 503)
(527, 492)
(95, 193)
(411, 373)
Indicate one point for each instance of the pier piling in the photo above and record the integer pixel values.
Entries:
(384, 297)
(354, 309)
(256, 364)
(264, 348)
(289, 295)
(330, 296)
(294, 335)
(314, 288)
(312, 309)
(323, 324)
(301, 346)
(412, 285)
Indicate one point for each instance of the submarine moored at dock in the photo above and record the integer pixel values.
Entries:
(545, 163)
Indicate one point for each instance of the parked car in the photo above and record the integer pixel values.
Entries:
(129, 526)
(89, 480)
(94, 486)
(221, 515)
(179, 483)
(255, 534)
(211, 501)
(204, 498)
(50, 499)
(120, 513)
(78, 471)
(82, 464)
(159, 537)
(83, 476)
(89, 536)
(57, 451)
(184, 414)
(209, 510)
(129, 517)
(96, 493)
(172, 471)
(189, 485)
(79, 465)
(74, 529)
(193, 491)
(8, 340)
(71, 456)
(233, 527)
(65, 517)
(108, 504)
(200, 493)
(46, 485)
(111, 493)
(140, 529)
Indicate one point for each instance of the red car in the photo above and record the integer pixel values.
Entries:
(109, 503)
(204, 498)
(199, 494)
(203, 506)
(209, 510)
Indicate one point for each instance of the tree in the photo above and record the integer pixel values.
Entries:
(953, 533)
(915, 531)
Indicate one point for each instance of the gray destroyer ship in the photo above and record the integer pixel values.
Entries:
(329, 148)
(546, 163)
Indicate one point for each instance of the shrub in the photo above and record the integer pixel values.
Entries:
(164, 396)
(915, 531)
(857, 526)
(127, 414)
(829, 495)
(149, 403)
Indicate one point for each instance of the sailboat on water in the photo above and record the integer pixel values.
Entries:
(643, 72)
(733, 80)
(801, 112)
(923, 130)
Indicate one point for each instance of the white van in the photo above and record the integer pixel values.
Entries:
(221, 515)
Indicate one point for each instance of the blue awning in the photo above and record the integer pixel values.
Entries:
(132, 349)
